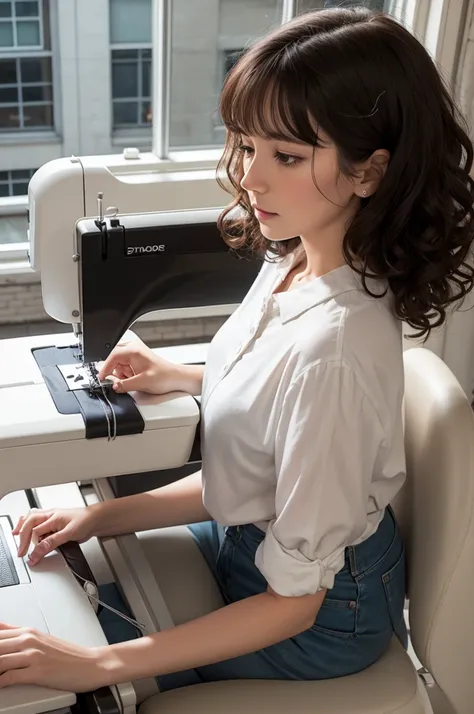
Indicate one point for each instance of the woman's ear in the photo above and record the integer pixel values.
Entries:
(371, 173)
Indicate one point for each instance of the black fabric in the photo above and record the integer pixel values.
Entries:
(47, 359)
(128, 417)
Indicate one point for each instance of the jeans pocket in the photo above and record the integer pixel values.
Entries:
(394, 585)
(337, 617)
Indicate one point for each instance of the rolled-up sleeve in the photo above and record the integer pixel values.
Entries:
(327, 439)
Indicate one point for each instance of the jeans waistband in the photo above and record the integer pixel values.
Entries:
(361, 558)
(358, 558)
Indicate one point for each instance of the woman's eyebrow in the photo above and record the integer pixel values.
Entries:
(282, 139)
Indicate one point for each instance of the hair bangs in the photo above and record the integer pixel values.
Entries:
(269, 102)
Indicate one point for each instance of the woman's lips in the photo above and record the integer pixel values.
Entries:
(263, 215)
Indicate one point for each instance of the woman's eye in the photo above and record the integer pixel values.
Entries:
(286, 159)
(245, 149)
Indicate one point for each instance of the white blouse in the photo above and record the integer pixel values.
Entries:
(302, 421)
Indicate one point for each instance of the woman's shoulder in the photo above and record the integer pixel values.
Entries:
(359, 334)
(352, 323)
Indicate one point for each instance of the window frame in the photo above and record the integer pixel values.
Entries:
(21, 106)
(11, 180)
(139, 99)
(38, 52)
(15, 20)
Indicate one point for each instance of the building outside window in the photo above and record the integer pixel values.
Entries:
(26, 84)
(15, 183)
(131, 55)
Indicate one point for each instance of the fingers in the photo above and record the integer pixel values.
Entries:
(6, 626)
(48, 544)
(135, 383)
(21, 520)
(107, 367)
(25, 528)
(117, 359)
(124, 371)
(11, 644)
(15, 669)
(44, 531)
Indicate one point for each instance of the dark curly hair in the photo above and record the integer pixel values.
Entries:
(369, 84)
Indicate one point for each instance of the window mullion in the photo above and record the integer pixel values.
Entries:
(139, 86)
(20, 95)
(436, 23)
(40, 22)
(161, 75)
(15, 27)
(289, 10)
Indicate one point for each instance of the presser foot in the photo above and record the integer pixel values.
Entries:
(85, 377)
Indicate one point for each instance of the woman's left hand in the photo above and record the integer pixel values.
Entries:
(28, 656)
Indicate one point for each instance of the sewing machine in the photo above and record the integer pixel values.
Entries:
(113, 240)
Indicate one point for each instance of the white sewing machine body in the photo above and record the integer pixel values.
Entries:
(42, 444)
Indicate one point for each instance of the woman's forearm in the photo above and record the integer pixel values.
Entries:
(237, 629)
(176, 504)
(189, 378)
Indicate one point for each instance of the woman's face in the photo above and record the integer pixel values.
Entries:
(294, 188)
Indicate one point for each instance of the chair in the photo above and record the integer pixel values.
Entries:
(435, 512)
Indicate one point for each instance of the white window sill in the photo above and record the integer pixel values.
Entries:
(13, 206)
(17, 272)
(23, 136)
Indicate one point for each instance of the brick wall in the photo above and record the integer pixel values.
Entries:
(20, 301)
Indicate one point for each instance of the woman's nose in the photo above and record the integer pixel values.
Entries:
(254, 179)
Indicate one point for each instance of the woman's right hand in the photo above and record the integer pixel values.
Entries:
(48, 529)
(134, 366)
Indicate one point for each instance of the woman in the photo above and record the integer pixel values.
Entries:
(351, 170)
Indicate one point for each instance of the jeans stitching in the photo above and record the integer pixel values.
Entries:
(380, 560)
(386, 579)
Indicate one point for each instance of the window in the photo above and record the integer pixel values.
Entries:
(131, 87)
(21, 25)
(26, 93)
(26, 83)
(15, 183)
(130, 37)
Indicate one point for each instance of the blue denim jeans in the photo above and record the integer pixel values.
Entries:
(353, 628)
